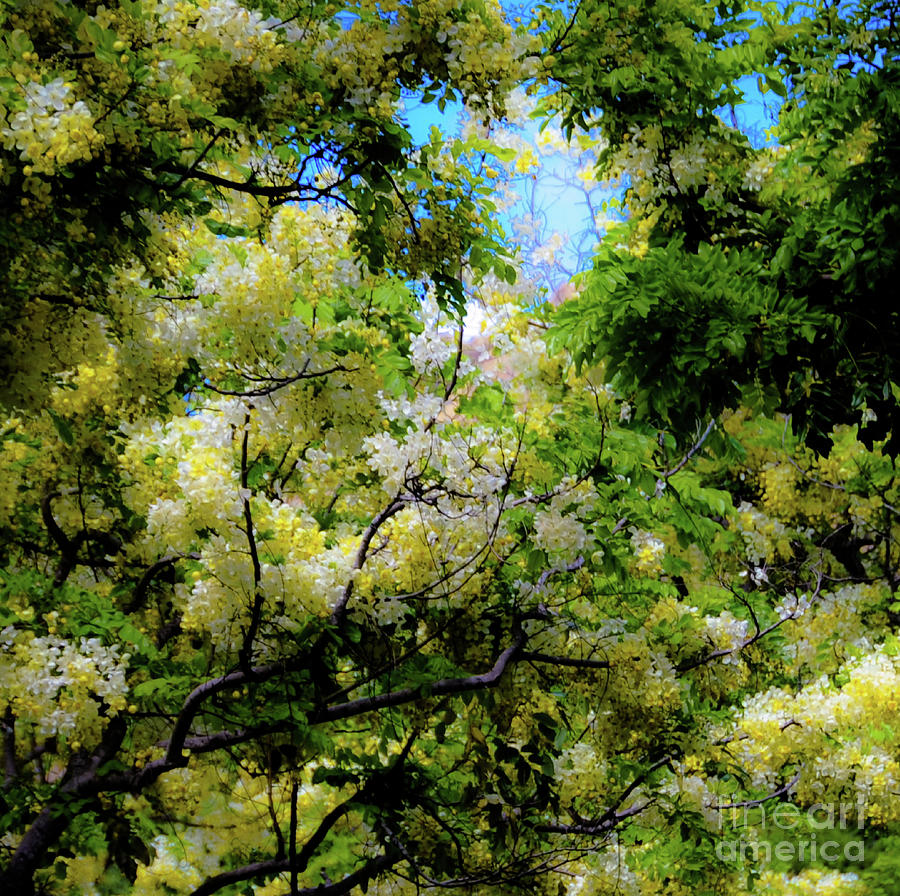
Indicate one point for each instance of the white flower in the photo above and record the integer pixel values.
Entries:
(792, 607)
(559, 534)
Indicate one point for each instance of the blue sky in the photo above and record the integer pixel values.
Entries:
(564, 206)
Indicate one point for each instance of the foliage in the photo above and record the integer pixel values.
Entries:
(305, 590)
(745, 239)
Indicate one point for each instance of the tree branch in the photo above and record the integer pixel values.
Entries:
(760, 633)
(152, 571)
(694, 449)
(245, 655)
(435, 689)
(278, 382)
(784, 790)
(279, 866)
(246, 872)
(572, 662)
(174, 754)
(80, 780)
(604, 826)
(9, 748)
(303, 192)
(292, 838)
(386, 513)
(67, 547)
(448, 391)
(610, 818)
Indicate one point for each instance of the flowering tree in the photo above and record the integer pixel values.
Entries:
(301, 593)
(756, 267)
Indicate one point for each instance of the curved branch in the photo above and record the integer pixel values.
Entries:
(297, 189)
(201, 156)
(278, 866)
(386, 513)
(611, 817)
(564, 661)
(694, 449)
(278, 382)
(10, 769)
(194, 701)
(53, 528)
(68, 548)
(435, 689)
(245, 872)
(448, 391)
(409, 212)
(784, 790)
(758, 634)
(135, 779)
(603, 826)
(80, 780)
(249, 186)
(152, 571)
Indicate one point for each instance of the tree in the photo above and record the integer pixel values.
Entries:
(765, 268)
(296, 597)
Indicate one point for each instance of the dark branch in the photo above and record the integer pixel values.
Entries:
(694, 449)
(341, 606)
(277, 194)
(784, 790)
(80, 779)
(68, 548)
(603, 826)
(279, 866)
(448, 391)
(175, 753)
(9, 748)
(278, 382)
(245, 654)
(435, 689)
(152, 571)
(759, 634)
(612, 816)
(292, 838)
(563, 661)
(245, 872)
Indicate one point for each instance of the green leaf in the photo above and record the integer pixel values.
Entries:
(62, 427)
(151, 687)
(223, 228)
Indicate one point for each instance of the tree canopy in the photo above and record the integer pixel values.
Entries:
(305, 589)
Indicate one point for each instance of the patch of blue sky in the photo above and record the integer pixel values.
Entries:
(422, 117)
(757, 115)
(554, 199)
(555, 196)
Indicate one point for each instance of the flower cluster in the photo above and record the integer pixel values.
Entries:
(842, 736)
(765, 537)
(563, 536)
(52, 130)
(242, 34)
(649, 551)
(59, 686)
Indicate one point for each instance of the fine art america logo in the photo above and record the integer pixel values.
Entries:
(758, 833)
